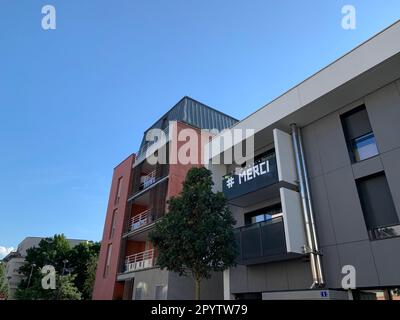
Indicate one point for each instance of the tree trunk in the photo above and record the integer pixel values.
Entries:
(197, 281)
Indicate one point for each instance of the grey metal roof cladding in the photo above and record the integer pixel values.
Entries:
(196, 114)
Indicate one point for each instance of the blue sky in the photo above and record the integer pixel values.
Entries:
(75, 101)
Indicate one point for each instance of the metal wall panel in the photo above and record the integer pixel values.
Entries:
(194, 113)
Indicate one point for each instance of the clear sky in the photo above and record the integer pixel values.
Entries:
(75, 101)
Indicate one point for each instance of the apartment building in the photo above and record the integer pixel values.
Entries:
(318, 203)
(138, 197)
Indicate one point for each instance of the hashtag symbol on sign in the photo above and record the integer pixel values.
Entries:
(230, 182)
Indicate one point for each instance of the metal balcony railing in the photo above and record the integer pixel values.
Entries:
(148, 180)
(257, 242)
(140, 220)
(139, 261)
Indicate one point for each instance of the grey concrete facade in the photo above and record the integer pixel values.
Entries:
(339, 218)
(340, 222)
(370, 76)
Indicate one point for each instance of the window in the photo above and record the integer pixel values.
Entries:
(113, 223)
(377, 294)
(264, 214)
(161, 292)
(118, 194)
(108, 260)
(139, 293)
(264, 156)
(359, 135)
(377, 204)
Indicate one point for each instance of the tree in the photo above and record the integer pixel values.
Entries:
(50, 251)
(83, 262)
(66, 289)
(88, 284)
(196, 236)
(3, 281)
(70, 265)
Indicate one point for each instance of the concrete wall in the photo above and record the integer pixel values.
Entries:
(340, 222)
(182, 288)
(287, 275)
(178, 287)
(148, 280)
(12, 274)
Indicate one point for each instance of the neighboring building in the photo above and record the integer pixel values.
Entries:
(139, 191)
(15, 259)
(327, 150)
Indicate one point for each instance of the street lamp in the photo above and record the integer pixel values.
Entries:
(30, 275)
(65, 263)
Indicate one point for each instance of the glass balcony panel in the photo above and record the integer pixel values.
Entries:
(260, 241)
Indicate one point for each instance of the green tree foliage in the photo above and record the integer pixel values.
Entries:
(71, 266)
(3, 281)
(88, 284)
(65, 290)
(196, 236)
(81, 259)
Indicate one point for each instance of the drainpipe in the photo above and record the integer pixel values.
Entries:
(311, 213)
(312, 244)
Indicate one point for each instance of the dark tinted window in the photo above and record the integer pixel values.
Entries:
(264, 156)
(264, 214)
(378, 207)
(359, 135)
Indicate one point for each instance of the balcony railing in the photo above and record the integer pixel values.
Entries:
(141, 154)
(141, 220)
(259, 242)
(139, 261)
(148, 180)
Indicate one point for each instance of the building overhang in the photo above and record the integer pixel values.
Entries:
(125, 276)
(266, 193)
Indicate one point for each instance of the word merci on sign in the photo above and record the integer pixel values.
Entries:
(256, 170)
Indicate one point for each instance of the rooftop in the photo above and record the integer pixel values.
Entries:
(194, 113)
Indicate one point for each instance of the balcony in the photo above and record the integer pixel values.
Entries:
(148, 180)
(277, 239)
(261, 242)
(140, 261)
(141, 220)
